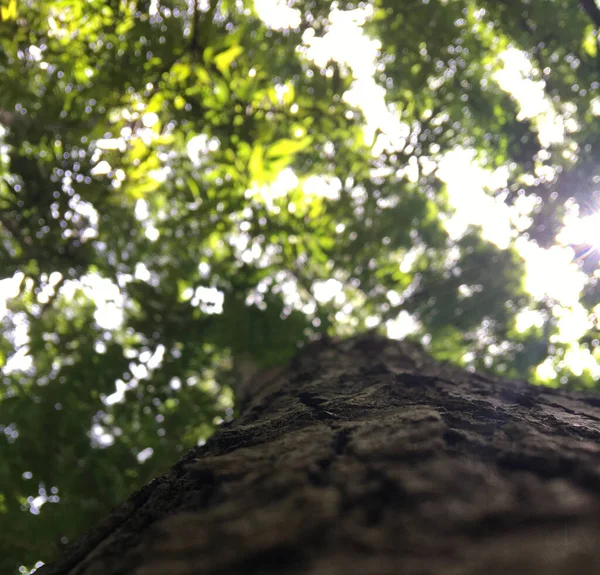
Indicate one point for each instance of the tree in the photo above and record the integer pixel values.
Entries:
(367, 456)
(190, 187)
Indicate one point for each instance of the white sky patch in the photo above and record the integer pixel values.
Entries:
(88, 211)
(161, 174)
(572, 323)
(9, 288)
(529, 318)
(551, 273)
(291, 296)
(515, 78)
(394, 297)
(119, 394)
(325, 291)
(141, 210)
(276, 14)
(196, 148)
(35, 52)
(101, 168)
(141, 272)
(345, 42)
(204, 269)
(151, 232)
(101, 437)
(545, 370)
(253, 254)
(150, 119)
(156, 359)
(19, 361)
(286, 181)
(145, 454)
(210, 300)
(104, 293)
(147, 135)
(240, 241)
(408, 261)
(526, 204)
(580, 231)
(111, 144)
(580, 359)
(142, 214)
(325, 187)
(139, 371)
(465, 185)
(403, 326)
(48, 290)
(246, 250)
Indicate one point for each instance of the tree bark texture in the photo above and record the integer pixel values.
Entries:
(365, 456)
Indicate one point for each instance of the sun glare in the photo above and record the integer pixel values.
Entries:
(581, 232)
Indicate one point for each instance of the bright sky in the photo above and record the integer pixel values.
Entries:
(550, 273)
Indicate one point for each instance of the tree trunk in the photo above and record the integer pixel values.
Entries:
(367, 457)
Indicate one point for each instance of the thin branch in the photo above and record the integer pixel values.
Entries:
(53, 297)
(195, 22)
(24, 241)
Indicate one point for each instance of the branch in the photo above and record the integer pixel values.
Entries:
(24, 241)
(592, 10)
(195, 21)
(195, 43)
(53, 297)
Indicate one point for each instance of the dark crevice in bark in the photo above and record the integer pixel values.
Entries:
(593, 401)
(277, 560)
(341, 440)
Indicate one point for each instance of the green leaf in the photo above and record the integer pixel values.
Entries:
(194, 188)
(590, 41)
(224, 60)
(288, 147)
(256, 164)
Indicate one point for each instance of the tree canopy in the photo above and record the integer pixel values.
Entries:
(192, 187)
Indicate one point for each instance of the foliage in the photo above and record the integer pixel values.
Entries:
(180, 180)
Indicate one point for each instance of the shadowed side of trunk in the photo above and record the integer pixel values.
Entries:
(367, 456)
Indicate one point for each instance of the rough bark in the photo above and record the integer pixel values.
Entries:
(367, 457)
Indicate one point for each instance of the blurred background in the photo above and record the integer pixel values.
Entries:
(191, 190)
